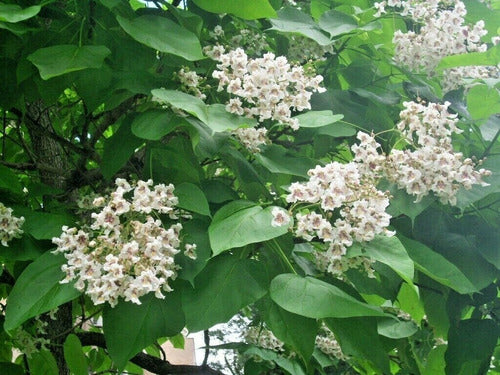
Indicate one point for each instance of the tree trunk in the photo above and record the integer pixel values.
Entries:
(47, 151)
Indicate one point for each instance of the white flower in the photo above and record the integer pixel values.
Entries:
(280, 217)
(10, 225)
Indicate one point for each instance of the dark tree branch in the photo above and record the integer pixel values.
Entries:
(148, 362)
(108, 118)
(206, 337)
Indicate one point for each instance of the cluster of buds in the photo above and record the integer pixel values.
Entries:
(264, 338)
(328, 344)
(302, 49)
(251, 138)
(126, 252)
(10, 225)
(253, 41)
(190, 82)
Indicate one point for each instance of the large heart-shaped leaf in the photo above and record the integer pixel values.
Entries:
(37, 290)
(390, 251)
(243, 227)
(278, 160)
(129, 328)
(337, 23)
(163, 35)
(317, 299)
(249, 10)
(14, 13)
(295, 330)
(192, 198)
(153, 124)
(226, 285)
(58, 60)
(436, 266)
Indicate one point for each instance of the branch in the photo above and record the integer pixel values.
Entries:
(149, 362)
(110, 117)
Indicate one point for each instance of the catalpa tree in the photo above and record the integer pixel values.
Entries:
(329, 170)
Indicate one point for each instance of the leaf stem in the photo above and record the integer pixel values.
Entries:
(282, 255)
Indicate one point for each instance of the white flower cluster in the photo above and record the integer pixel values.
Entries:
(442, 32)
(348, 193)
(328, 344)
(10, 225)
(252, 138)
(126, 252)
(264, 338)
(190, 82)
(266, 88)
(302, 49)
(433, 165)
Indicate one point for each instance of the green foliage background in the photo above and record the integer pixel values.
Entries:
(92, 67)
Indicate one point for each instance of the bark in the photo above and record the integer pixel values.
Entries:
(48, 151)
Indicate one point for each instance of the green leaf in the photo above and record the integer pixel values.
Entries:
(409, 301)
(44, 225)
(396, 329)
(390, 251)
(489, 57)
(436, 266)
(249, 10)
(119, 148)
(129, 328)
(220, 120)
(338, 130)
(74, 356)
(192, 198)
(337, 23)
(42, 363)
(470, 346)
(226, 285)
(435, 361)
(37, 290)
(11, 369)
(358, 338)
(188, 103)
(246, 226)
(9, 180)
(316, 119)
(317, 299)
(163, 35)
(278, 159)
(297, 331)
(404, 203)
(194, 231)
(58, 60)
(291, 20)
(14, 13)
(153, 124)
(483, 101)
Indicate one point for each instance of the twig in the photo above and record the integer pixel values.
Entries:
(206, 337)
